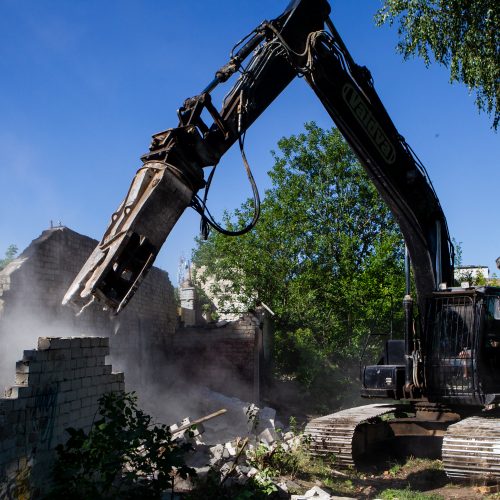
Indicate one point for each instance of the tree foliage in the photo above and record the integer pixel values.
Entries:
(10, 255)
(462, 35)
(326, 255)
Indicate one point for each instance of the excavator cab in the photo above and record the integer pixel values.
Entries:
(460, 358)
(462, 342)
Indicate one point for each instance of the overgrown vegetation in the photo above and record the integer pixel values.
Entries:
(124, 455)
(326, 257)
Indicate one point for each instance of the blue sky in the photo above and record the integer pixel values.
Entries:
(84, 85)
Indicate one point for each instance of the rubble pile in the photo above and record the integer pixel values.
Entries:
(238, 419)
(231, 461)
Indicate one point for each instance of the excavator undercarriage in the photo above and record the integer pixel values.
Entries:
(469, 447)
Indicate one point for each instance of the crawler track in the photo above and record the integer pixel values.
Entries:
(335, 433)
(471, 448)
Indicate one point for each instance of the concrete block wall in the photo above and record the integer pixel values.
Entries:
(226, 359)
(57, 386)
(32, 288)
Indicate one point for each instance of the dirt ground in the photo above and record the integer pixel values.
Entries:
(379, 473)
(418, 475)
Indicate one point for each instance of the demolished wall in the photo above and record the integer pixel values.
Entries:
(225, 358)
(144, 340)
(58, 386)
(32, 288)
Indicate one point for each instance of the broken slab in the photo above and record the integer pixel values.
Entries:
(314, 493)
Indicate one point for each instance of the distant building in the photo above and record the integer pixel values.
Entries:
(471, 273)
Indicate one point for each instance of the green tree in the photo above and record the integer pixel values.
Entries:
(326, 256)
(10, 255)
(462, 35)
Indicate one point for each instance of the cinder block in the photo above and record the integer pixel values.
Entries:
(34, 379)
(93, 391)
(95, 341)
(94, 407)
(86, 352)
(76, 352)
(99, 370)
(104, 341)
(106, 387)
(43, 343)
(76, 384)
(86, 342)
(87, 401)
(100, 351)
(83, 393)
(66, 397)
(60, 354)
(22, 367)
(66, 407)
(22, 378)
(86, 382)
(92, 361)
(96, 380)
(75, 342)
(57, 342)
(118, 376)
(76, 405)
(12, 392)
(31, 354)
(65, 385)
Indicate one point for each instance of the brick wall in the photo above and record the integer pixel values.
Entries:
(225, 359)
(31, 290)
(57, 386)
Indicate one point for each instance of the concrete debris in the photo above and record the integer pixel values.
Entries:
(252, 472)
(217, 452)
(267, 436)
(316, 493)
(229, 450)
(235, 422)
(231, 459)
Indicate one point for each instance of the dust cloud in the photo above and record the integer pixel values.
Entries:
(19, 331)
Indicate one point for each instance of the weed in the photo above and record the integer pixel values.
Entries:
(393, 471)
(408, 494)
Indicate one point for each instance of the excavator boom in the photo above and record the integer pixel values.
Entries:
(301, 41)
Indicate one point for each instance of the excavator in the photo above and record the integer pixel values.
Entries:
(442, 381)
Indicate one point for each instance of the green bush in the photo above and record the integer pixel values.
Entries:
(123, 456)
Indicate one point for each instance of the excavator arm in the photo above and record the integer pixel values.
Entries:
(301, 41)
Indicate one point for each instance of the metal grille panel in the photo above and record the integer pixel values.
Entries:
(452, 346)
